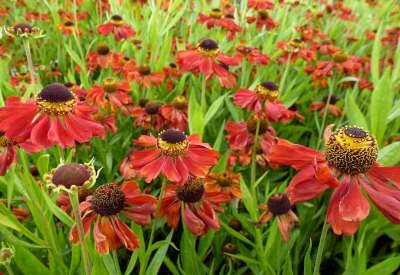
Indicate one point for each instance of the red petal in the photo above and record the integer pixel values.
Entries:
(125, 234)
(334, 218)
(353, 206)
(143, 157)
(294, 155)
(304, 186)
(170, 171)
(194, 224)
(389, 205)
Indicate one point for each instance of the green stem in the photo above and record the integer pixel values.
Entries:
(79, 226)
(27, 49)
(153, 229)
(321, 246)
(321, 131)
(9, 269)
(203, 95)
(253, 159)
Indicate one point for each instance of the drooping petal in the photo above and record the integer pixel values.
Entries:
(334, 217)
(194, 223)
(387, 204)
(353, 206)
(305, 186)
(297, 156)
(125, 234)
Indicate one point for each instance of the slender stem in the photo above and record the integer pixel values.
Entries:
(79, 226)
(203, 95)
(321, 246)
(9, 269)
(328, 100)
(153, 228)
(27, 49)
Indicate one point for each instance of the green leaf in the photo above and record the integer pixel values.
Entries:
(196, 120)
(205, 243)
(390, 154)
(248, 200)
(158, 257)
(236, 234)
(381, 104)
(215, 106)
(232, 109)
(220, 137)
(387, 266)
(375, 55)
(42, 164)
(27, 262)
(98, 266)
(307, 260)
(191, 263)
(353, 113)
(58, 212)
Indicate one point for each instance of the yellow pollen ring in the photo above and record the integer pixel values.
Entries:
(110, 85)
(206, 52)
(216, 14)
(117, 22)
(4, 141)
(270, 94)
(172, 149)
(349, 142)
(57, 108)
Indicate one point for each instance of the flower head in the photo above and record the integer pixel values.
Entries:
(227, 182)
(53, 117)
(173, 154)
(112, 94)
(348, 163)
(23, 30)
(198, 205)
(143, 75)
(208, 60)
(118, 27)
(105, 207)
(279, 206)
(67, 175)
(265, 98)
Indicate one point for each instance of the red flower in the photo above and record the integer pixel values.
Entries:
(104, 208)
(117, 26)
(295, 49)
(253, 55)
(279, 206)
(173, 154)
(176, 113)
(112, 93)
(348, 163)
(216, 19)
(241, 135)
(208, 60)
(143, 75)
(199, 206)
(68, 28)
(264, 98)
(242, 157)
(8, 155)
(102, 58)
(319, 106)
(125, 168)
(148, 115)
(260, 4)
(263, 20)
(227, 182)
(54, 117)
